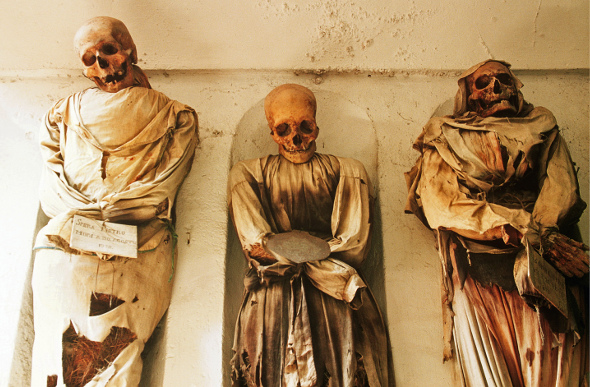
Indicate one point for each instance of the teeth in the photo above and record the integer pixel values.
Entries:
(297, 150)
(114, 78)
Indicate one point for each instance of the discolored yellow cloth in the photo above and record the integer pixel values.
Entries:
(302, 325)
(474, 176)
(118, 157)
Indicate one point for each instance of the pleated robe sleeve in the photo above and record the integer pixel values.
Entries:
(351, 223)
(352, 214)
(351, 229)
(56, 194)
(559, 202)
(245, 200)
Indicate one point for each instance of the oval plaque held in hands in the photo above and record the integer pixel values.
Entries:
(297, 247)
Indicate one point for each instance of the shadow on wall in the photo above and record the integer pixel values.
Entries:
(346, 131)
(20, 373)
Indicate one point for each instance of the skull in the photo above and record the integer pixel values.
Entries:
(290, 111)
(492, 91)
(107, 52)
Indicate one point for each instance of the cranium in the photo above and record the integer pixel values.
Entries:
(492, 91)
(107, 52)
(290, 111)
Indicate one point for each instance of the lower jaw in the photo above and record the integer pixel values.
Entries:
(298, 157)
(119, 83)
(501, 109)
(112, 87)
(499, 112)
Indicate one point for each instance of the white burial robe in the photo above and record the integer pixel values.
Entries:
(118, 157)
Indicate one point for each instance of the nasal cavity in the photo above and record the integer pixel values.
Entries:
(496, 86)
(102, 62)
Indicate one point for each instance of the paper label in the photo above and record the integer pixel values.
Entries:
(104, 237)
(547, 280)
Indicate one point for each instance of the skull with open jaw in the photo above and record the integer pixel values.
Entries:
(107, 52)
(493, 91)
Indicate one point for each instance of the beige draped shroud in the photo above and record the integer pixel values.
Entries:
(475, 174)
(306, 324)
(118, 157)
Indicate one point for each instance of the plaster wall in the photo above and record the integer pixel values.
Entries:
(392, 64)
(193, 344)
(303, 34)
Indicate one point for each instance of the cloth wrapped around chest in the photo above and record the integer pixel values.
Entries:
(119, 157)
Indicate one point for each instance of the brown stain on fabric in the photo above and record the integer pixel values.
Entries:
(530, 356)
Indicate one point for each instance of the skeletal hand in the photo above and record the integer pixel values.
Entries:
(567, 255)
(258, 253)
(510, 235)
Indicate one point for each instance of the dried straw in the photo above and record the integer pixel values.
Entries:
(83, 359)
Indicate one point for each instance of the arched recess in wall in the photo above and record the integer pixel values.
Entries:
(345, 130)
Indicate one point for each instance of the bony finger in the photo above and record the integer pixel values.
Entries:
(582, 267)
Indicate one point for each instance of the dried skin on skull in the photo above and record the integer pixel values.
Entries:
(290, 111)
(107, 52)
(492, 91)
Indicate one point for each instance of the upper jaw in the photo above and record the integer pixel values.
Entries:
(307, 148)
(114, 82)
(499, 108)
(298, 156)
(116, 77)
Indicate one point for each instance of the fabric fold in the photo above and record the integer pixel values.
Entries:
(118, 157)
(312, 312)
(475, 182)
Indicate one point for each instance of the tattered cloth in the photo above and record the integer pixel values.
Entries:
(475, 174)
(315, 323)
(118, 157)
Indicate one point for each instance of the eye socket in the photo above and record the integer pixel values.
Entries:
(88, 58)
(505, 79)
(283, 129)
(482, 82)
(306, 127)
(109, 49)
